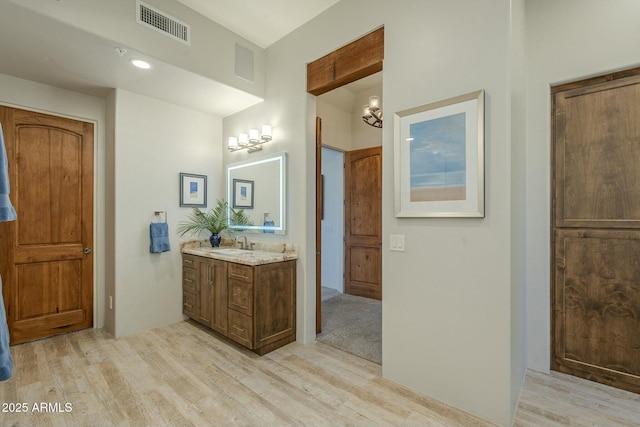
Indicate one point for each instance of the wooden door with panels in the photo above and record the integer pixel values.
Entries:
(363, 222)
(47, 260)
(596, 229)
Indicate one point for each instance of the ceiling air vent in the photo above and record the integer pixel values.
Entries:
(160, 21)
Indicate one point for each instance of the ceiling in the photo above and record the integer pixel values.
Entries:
(261, 22)
(75, 60)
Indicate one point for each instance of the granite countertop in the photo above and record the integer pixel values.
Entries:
(265, 253)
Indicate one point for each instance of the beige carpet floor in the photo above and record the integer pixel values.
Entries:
(353, 324)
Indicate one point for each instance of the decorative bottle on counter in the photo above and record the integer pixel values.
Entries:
(268, 224)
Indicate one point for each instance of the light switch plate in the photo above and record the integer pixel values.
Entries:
(396, 242)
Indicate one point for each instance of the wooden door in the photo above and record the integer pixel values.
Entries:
(47, 262)
(596, 229)
(363, 222)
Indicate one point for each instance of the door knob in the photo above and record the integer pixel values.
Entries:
(86, 251)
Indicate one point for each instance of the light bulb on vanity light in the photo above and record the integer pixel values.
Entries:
(266, 133)
(243, 139)
(374, 102)
(233, 143)
(254, 136)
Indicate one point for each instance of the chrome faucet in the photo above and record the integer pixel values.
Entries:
(243, 245)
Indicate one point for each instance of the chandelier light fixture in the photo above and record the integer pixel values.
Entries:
(252, 141)
(372, 114)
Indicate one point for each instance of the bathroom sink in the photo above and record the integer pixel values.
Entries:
(228, 251)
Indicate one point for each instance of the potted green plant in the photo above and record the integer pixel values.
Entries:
(215, 221)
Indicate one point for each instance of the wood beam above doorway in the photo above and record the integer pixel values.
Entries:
(352, 62)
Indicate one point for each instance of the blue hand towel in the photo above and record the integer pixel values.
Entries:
(7, 212)
(6, 361)
(159, 232)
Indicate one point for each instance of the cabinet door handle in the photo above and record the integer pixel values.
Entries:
(188, 280)
(188, 261)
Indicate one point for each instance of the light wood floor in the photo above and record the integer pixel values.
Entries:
(182, 375)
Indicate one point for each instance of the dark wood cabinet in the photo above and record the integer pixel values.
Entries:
(217, 275)
(204, 291)
(252, 305)
(190, 278)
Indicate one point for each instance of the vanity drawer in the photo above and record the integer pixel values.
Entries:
(241, 272)
(241, 296)
(189, 304)
(189, 279)
(241, 328)
(189, 260)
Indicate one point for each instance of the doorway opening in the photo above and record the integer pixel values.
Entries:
(350, 226)
(347, 65)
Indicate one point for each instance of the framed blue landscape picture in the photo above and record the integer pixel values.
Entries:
(439, 158)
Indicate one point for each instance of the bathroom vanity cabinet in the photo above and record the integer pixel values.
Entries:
(254, 305)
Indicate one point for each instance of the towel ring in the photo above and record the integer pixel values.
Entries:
(159, 213)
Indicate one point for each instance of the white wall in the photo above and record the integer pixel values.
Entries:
(447, 299)
(566, 40)
(154, 142)
(517, 79)
(333, 221)
(336, 125)
(27, 95)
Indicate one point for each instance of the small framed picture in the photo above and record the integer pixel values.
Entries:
(242, 194)
(193, 190)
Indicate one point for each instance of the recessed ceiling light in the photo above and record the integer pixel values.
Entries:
(140, 64)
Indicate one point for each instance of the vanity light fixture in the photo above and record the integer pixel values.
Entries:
(252, 141)
(372, 114)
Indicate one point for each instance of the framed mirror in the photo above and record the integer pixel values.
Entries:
(258, 187)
